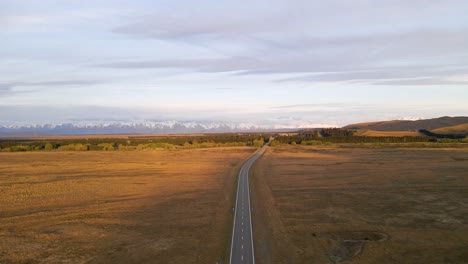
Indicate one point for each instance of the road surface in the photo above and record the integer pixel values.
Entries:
(242, 250)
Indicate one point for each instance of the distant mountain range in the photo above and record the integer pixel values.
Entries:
(458, 125)
(144, 127)
(407, 125)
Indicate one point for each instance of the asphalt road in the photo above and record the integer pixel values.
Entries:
(242, 250)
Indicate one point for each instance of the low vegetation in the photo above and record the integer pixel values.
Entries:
(331, 136)
(134, 143)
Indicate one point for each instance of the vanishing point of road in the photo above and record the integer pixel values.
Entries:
(242, 248)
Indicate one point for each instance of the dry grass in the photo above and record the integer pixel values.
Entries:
(374, 133)
(368, 124)
(459, 129)
(117, 207)
(337, 205)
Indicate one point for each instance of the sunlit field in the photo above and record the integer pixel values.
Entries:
(168, 206)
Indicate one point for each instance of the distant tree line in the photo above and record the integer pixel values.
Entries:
(136, 143)
(338, 135)
(351, 139)
(432, 134)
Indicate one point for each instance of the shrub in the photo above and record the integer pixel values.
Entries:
(258, 142)
(126, 148)
(20, 148)
(155, 146)
(48, 147)
(107, 146)
(312, 142)
(74, 147)
(274, 143)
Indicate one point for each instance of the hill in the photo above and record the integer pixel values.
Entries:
(457, 130)
(406, 125)
(374, 133)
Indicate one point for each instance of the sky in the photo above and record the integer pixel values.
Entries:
(277, 63)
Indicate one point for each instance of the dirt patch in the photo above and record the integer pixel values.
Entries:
(349, 244)
(460, 158)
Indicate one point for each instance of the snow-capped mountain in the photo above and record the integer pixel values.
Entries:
(113, 127)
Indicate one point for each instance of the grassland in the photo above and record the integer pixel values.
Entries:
(374, 133)
(171, 206)
(458, 129)
(361, 205)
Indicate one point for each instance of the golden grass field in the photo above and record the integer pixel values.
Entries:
(360, 205)
(374, 133)
(459, 129)
(118, 207)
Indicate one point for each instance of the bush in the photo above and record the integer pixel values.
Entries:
(20, 148)
(74, 147)
(312, 142)
(155, 146)
(258, 142)
(106, 146)
(274, 143)
(48, 147)
(187, 145)
(127, 148)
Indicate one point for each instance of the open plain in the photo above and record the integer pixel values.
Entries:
(170, 206)
(360, 205)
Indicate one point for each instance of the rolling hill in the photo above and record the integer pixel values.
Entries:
(457, 130)
(406, 125)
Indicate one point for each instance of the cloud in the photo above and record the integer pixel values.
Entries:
(12, 88)
(369, 41)
(311, 106)
(11, 85)
(370, 56)
(7, 89)
(403, 75)
(423, 81)
(201, 65)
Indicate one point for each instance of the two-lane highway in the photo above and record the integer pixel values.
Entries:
(242, 249)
